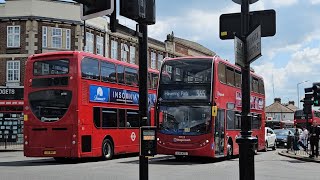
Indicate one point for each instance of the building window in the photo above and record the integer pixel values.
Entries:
(89, 42)
(114, 49)
(13, 71)
(99, 45)
(56, 38)
(132, 54)
(124, 52)
(44, 36)
(68, 39)
(153, 60)
(13, 36)
(160, 59)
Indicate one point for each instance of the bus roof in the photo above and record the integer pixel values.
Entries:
(215, 58)
(87, 54)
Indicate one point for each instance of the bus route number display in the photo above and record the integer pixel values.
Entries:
(185, 94)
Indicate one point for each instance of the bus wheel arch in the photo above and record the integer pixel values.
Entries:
(229, 148)
(107, 148)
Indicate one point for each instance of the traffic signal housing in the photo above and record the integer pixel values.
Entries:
(142, 11)
(307, 105)
(316, 94)
(95, 8)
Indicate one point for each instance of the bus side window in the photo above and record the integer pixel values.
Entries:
(230, 76)
(120, 73)
(90, 68)
(97, 116)
(132, 118)
(122, 118)
(255, 85)
(108, 72)
(109, 118)
(261, 86)
(149, 81)
(238, 120)
(131, 76)
(230, 119)
(154, 80)
(222, 73)
(238, 78)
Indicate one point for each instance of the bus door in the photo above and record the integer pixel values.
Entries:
(219, 133)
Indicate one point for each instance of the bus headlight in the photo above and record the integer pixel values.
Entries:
(26, 143)
(73, 142)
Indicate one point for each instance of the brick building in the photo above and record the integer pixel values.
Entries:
(35, 26)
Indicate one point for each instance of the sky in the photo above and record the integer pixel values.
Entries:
(289, 58)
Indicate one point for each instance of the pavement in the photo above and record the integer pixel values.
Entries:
(300, 155)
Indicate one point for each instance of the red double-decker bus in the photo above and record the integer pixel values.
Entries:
(198, 109)
(300, 119)
(82, 105)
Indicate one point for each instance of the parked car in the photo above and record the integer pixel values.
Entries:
(282, 137)
(270, 138)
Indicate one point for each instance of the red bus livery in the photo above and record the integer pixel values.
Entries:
(300, 119)
(82, 105)
(198, 108)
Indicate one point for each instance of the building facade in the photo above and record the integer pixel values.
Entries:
(281, 112)
(36, 26)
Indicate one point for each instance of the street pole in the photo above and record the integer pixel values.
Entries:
(246, 141)
(143, 92)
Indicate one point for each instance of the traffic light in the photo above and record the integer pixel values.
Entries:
(316, 94)
(307, 106)
(142, 11)
(133, 9)
(95, 8)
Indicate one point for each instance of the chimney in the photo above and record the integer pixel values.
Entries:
(291, 102)
(278, 100)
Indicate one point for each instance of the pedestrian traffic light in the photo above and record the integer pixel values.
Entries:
(95, 8)
(316, 94)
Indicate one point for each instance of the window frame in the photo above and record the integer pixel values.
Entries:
(68, 39)
(13, 71)
(132, 54)
(44, 36)
(13, 35)
(99, 45)
(114, 49)
(89, 42)
(58, 37)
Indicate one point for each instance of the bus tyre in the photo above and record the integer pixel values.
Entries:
(266, 146)
(229, 151)
(107, 149)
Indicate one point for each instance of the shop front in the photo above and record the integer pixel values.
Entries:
(11, 118)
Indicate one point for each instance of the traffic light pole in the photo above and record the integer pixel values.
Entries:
(246, 141)
(143, 93)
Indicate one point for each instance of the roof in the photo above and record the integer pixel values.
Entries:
(277, 107)
(292, 107)
(194, 45)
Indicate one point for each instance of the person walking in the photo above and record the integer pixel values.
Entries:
(314, 140)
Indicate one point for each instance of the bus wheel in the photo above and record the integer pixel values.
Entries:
(107, 149)
(229, 151)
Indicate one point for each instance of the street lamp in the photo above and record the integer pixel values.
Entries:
(298, 91)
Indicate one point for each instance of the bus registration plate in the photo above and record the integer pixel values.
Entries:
(49, 152)
(181, 153)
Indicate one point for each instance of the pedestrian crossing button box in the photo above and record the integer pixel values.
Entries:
(148, 141)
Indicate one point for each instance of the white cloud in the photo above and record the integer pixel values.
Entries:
(315, 1)
(303, 65)
(279, 3)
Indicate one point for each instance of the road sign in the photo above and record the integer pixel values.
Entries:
(240, 1)
(97, 8)
(253, 41)
(238, 50)
(231, 23)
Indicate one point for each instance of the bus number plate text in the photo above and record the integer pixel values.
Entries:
(181, 153)
(49, 152)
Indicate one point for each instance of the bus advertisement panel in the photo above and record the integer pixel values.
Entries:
(82, 105)
(190, 89)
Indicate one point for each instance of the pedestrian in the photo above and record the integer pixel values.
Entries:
(296, 141)
(304, 137)
(314, 140)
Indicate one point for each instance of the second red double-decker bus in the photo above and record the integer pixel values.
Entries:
(300, 119)
(82, 105)
(198, 108)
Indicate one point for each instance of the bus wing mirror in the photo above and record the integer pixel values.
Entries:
(214, 111)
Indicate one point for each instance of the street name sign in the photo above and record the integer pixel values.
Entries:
(254, 45)
(239, 50)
